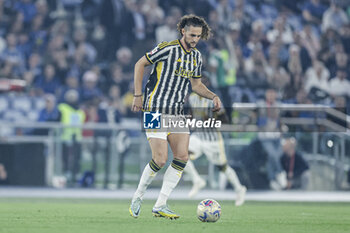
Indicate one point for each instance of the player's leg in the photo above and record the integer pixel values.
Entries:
(195, 151)
(197, 182)
(218, 156)
(179, 145)
(232, 177)
(159, 147)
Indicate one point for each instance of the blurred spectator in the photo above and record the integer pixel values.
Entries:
(38, 35)
(294, 61)
(153, 14)
(5, 16)
(167, 32)
(80, 41)
(137, 39)
(91, 117)
(242, 15)
(118, 78)
(345, 36)
(60, 61)
(317, 76)
(11, 55)
(310, 41)
(304, 54)
(79, 64)
(295, 166)
(335, 17)
(17, 25)
(43, 10)
(3, 174)
(269, 115)
(329, 40)
(34, 64)
(269, 136)
(48, 82)
(290, 93)
(27, 8)
(24, 45)
(281, 30)
(124, 58)
(222, 66)
(224, 12)
(214, 22)
(200, 7)
(89, 90)
(117, 21)
(341, 62)
(339, 85)
(72, 83)
(71, 136)
(289, 6)
(116, 103)
(49, 114)
(277, 76)
(258, 29)
(313, 11)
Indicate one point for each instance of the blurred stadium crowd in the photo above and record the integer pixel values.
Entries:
(298, 48)
(80, 55)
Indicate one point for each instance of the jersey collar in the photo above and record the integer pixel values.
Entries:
(183, 48)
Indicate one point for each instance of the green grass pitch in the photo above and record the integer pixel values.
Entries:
(107, 216)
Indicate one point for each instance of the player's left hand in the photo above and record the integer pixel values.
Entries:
(217, 104)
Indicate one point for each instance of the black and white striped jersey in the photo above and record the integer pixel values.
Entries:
(169, 82)
(201, 109)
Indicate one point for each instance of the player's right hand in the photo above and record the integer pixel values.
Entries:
(136, 104)
(217, 104)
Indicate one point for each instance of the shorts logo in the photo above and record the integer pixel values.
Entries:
(152, 120)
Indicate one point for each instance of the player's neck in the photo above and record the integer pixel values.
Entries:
(184, 45)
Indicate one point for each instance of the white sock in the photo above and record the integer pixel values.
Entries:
(146, 178)
(171, 178)
(192, 171)
(232, 178)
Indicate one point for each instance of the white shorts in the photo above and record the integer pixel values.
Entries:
(168, 128)
(213, 150)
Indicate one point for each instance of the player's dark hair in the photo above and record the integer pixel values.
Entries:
(196, 21)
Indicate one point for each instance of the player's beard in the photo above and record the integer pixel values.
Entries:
(190, 45)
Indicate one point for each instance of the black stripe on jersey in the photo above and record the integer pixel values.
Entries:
(186, 52)
(171, 82)
(174, 84)
(198, 59)
(168, 69)
(185, 82)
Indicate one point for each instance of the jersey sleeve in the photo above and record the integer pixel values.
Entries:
(198, 70)
(159, 53)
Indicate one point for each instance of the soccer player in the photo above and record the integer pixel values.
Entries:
(210, 143)
(177, 65)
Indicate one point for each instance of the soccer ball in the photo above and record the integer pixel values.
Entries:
(208, 210)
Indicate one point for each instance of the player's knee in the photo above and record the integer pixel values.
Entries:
(222, 167)
(160, 159)
(183, 157)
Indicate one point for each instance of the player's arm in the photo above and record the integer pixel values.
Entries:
(138, 76)
(199, 88)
